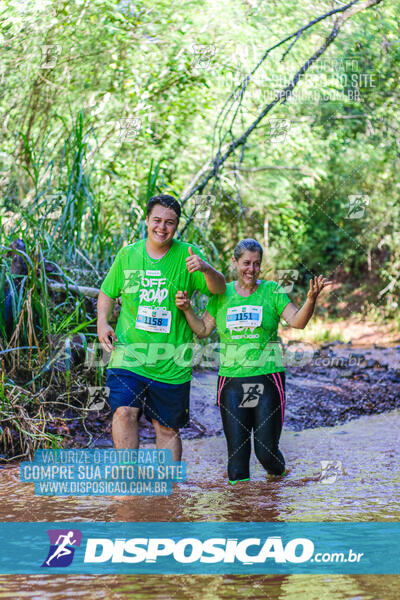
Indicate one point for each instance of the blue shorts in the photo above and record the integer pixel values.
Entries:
(165, 402)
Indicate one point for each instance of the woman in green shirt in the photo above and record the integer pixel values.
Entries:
(251, 382)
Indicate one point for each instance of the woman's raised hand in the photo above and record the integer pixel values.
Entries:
(317, 284)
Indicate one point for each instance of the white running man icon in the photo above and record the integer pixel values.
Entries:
(62, 550)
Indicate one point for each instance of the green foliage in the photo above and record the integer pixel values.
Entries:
(78, 174)
(105, 103)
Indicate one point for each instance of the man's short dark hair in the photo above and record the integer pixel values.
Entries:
(164, 200)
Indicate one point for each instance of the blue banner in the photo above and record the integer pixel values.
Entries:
(99, 472)
(242, 548)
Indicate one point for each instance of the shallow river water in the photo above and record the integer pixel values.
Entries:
(362, 484)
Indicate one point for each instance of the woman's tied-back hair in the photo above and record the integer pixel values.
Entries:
(164, 200)
(247, 244)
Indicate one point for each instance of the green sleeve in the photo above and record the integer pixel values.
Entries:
(198, 279)
(114, 280)
(212, 305)
(281, 299)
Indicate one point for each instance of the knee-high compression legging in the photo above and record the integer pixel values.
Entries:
(252, 404)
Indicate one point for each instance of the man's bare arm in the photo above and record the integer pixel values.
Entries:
(105, 306)
(214, 279)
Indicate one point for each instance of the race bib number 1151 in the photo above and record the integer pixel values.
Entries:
(243, 316)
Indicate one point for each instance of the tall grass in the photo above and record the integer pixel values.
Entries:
(67, 238)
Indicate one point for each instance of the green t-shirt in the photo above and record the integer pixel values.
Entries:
(154, 339)
(248, 326)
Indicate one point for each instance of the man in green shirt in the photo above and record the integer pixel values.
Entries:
(148, 369)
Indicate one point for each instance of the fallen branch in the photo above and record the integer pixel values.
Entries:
(272, 168)
(90, 292)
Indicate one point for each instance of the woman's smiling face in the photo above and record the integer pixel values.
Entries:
(248, 267)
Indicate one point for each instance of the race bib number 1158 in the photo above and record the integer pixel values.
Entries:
(153, 319)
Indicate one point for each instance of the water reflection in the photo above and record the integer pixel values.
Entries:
(365, 489)
(202, 587)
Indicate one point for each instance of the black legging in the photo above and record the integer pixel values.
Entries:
(245, 406)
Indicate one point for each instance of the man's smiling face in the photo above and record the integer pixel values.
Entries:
(161, 223)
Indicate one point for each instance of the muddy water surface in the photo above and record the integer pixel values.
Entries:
(361, 485)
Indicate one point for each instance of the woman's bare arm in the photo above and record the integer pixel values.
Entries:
(298, 318)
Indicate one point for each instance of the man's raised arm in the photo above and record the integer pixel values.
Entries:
(214, 279)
